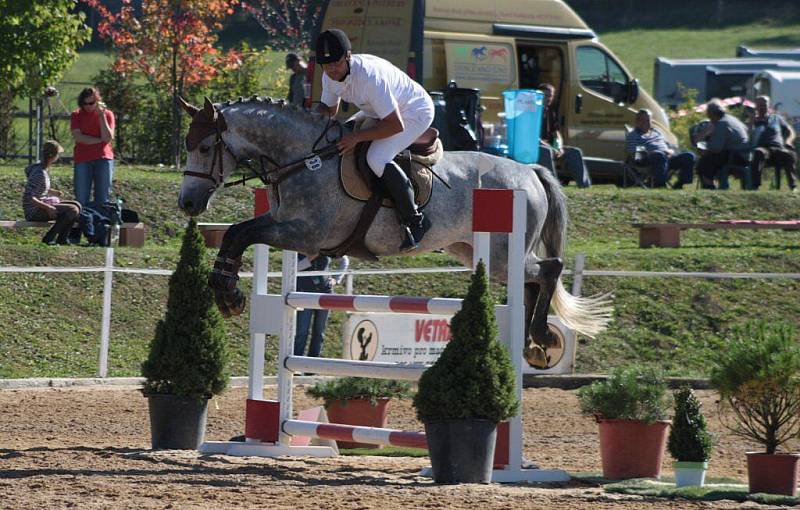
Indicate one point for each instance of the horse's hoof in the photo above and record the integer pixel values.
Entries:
(536, 356)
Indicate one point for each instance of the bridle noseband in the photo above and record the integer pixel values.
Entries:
(269, 171)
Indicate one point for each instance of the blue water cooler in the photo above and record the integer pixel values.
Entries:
(523, 109)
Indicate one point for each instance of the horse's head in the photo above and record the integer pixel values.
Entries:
(209, 159)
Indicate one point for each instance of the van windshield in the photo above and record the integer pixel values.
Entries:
(597, 71)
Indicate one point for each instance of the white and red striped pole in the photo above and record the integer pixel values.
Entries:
(355, 434)
(367, 303)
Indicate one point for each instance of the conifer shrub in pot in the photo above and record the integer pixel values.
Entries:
(467, 392)
(690, 442)
(758, 379)
(630, 408)
(186, 363)
(358, 401)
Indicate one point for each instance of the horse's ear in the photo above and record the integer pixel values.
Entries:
(208, 109)
(190, 109)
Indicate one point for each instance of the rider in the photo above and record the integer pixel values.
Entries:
(381, 91)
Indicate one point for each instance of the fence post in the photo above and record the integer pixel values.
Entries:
(577, 274)
(105, 330)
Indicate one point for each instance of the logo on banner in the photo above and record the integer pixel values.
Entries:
(364, 341)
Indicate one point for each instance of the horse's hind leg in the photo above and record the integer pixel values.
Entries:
(537, 305)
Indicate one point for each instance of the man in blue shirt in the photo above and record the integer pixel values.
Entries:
(649, 144)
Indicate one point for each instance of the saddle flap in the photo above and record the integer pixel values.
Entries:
(358, 181)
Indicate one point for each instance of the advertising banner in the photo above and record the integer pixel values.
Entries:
(421, 338)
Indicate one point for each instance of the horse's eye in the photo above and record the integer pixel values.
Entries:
(204, 149)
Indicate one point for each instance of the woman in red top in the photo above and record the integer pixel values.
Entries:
(92, 126)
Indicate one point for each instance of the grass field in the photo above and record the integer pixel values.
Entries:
(675, 323)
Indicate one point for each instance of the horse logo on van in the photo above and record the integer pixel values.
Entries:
(499, 53)
(480, 53)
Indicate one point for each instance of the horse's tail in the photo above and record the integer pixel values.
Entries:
(586, 315)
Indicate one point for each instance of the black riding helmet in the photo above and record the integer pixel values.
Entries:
(332, 45)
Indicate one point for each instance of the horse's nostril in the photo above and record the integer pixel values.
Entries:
(187, 205)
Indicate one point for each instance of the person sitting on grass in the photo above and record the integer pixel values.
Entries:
(40, 202)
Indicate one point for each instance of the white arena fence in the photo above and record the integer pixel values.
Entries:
(579, 273)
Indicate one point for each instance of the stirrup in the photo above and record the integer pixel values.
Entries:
(409, 243)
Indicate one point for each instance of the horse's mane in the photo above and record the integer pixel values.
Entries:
(266, 103)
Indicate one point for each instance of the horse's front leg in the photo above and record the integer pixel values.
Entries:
(224, 277)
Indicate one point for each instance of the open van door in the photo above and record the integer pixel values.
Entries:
(600, 102)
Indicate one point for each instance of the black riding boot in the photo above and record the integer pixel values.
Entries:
(61, 228)
(402, 193)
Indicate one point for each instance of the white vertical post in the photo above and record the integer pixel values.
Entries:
(105, 328)
(255, 364)
(516, 316)
(577, 275)
(286, 346)
(481, 248)
(348, 284)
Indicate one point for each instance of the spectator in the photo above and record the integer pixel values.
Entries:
(772, 138)
(297, 82)
(727, 143)
(92, 126)
(657, 154)
(40, 202)
(552, 146)
(319, 318)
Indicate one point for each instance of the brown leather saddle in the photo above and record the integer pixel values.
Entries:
(360, 183)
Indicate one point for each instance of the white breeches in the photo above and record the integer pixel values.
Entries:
(384, 150)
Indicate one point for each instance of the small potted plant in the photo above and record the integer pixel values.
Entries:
(186, 364)
(467, 392)
(630, 408)
(689, 442)
(358, 401)
(758, 379)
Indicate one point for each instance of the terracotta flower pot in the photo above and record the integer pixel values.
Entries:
(632, 448)
(358, 411)
(775, 473)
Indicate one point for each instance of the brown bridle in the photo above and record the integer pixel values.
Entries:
(269, 171)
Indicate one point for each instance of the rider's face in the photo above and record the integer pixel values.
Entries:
(336, 70)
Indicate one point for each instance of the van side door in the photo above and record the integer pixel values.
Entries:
(598, 109)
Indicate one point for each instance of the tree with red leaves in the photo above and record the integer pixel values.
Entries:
(171, 45)
(289, 23)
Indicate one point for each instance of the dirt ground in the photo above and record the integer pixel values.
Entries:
(89, 448)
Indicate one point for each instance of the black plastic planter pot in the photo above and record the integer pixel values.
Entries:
(177, 422)
(462, 451)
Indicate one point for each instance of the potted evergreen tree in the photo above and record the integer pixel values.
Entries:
(186, 364)
(630, 408)
(758, 378)
(689, 442)
(467, 392)
(358, 401)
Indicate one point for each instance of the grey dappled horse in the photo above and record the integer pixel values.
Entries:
(312, 211)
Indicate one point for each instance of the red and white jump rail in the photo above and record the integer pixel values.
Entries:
(269, 426)
(355, 434)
